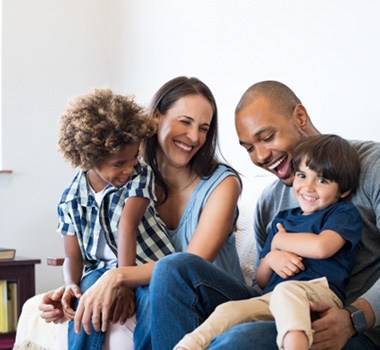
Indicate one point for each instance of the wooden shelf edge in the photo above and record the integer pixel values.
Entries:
(6, 171)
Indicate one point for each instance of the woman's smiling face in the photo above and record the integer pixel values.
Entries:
(183, 129)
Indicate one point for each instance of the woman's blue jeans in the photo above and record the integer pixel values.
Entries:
(82, 340)
(185, 289)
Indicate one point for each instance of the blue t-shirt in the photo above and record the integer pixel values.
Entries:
(342, 218)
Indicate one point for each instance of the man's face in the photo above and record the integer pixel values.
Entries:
(270, 137)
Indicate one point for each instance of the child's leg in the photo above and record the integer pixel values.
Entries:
(296, 340)
(82, 340)
(289, 305)
(223, 318)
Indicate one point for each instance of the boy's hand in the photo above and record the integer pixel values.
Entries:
(51, 306)
(278, 236)
(72, 291)
(285, 264)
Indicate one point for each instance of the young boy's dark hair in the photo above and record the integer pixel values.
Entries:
(332, 157)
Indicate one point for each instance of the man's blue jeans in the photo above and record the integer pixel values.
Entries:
(185, 289)
(262, 336)
(81, 341)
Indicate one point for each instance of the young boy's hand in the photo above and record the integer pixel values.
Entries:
(72, 291)
(51, 306)
(285, 264)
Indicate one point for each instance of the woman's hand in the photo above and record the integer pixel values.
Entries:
(95, 305)
(124, 306)
(51, 306)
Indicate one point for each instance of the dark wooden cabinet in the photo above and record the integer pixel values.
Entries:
(21, 271)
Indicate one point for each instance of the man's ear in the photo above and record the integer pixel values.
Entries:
(345, 194)
(300, 116)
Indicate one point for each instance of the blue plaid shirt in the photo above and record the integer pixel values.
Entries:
(80, 216)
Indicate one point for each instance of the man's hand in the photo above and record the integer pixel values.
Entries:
(51, 306)
(333, 329)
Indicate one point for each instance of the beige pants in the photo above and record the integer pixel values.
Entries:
(287, 304)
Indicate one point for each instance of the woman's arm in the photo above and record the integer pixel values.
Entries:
(217, 219)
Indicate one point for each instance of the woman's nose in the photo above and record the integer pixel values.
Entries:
(193, 134)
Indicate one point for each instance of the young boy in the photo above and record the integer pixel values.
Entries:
(100, 133)
(309, 251)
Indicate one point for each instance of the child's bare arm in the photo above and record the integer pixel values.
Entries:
(72, 273)
(285, 264)
(133, 211)
(308, 245)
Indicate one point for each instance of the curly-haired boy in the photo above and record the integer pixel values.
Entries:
(107, 215)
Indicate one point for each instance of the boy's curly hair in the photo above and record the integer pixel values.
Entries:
(100, 123)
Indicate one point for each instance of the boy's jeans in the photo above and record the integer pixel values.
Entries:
(81, 341)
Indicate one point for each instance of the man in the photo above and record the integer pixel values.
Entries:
(270, 121)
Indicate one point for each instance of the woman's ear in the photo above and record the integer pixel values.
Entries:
(157, 119)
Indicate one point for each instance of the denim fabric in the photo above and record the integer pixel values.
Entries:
(248, 336)
(262, 336)
(83, 341)
(185, 289)
(142, 338)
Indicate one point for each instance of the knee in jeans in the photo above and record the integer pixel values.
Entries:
(175, 262)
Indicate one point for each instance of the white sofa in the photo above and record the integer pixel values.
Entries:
(34, 334)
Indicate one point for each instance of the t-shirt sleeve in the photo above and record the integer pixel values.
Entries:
(141, 183)
(346, 221)
(65, 222)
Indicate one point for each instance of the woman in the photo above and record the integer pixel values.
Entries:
(197, 200)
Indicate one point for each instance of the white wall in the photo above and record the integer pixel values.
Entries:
(52, 50)
(328, 52)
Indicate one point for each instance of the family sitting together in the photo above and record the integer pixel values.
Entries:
(148, 227)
